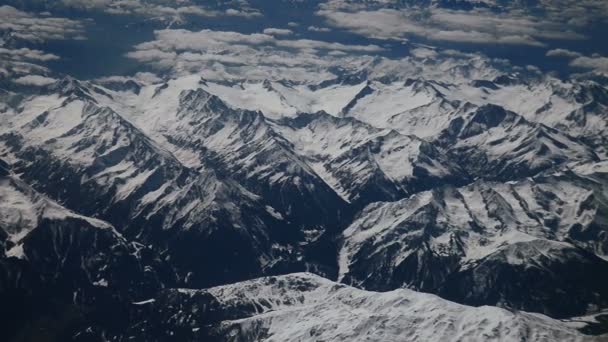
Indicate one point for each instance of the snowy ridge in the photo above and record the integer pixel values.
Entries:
(198, 126)
(381, 103)
(265, 309)
(501, 144)
(428, 240)
(358, 159)
(114, 153)
(577, 108)
(281, 99)
(99, 163)
(243, 144)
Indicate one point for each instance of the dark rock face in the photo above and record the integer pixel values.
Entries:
(224, 220)
(119, 85)
(72, 274)
(488, 244)
(533, 276)
(82, 188)
(423, 269)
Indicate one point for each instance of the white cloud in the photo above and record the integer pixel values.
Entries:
(169, 41)
(27, 54)
(382, 23)
(534, 69)
(87, 4)
(222, 55)
(278, 31)
(318, 29)
(595, 63)
(336, 53)
(147, 77)
(563, 53)
(160, 12)
(174, 11)
(152, 55)
(15, 68)
(240, 13)
(140, 77)
(35, 80)
(480, 26)
(423, 53)
(508, 24)
(30, 27)
(19, 28)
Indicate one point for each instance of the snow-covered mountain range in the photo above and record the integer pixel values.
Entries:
(486, 190)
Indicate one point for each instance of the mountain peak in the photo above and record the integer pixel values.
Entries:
(199, 100)
(489, 115)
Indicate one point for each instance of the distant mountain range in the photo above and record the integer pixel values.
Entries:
(192, 209)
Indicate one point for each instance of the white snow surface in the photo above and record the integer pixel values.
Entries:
(348, 153)
(509, 214)
(277, 99)
(306, 307)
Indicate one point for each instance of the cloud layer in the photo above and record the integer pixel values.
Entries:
(231, 54)
(29, 27)
(174, 11)
(227, 55)
(483, 25)
(35, 80)
(19, 29)
(595, 63)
